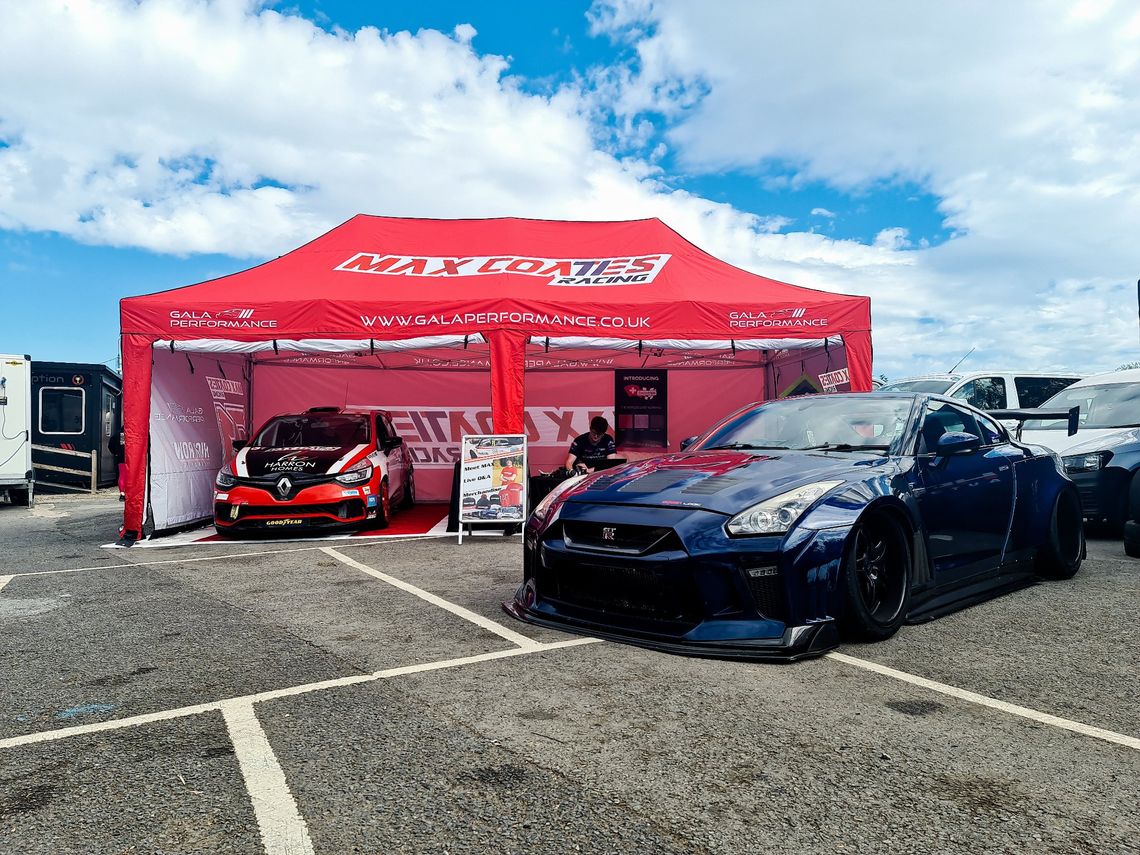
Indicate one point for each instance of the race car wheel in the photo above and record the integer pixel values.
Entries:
(1059, 557)
(1132, 539)
(409, 498)
(383, 508)
(875, 579)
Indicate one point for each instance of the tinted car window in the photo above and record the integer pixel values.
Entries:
(991, 433)
(943, 418)
(1034, 391)
(309, 430)
(985, 393)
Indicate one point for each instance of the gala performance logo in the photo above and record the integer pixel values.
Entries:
(579, 272)
(777, 319)
(646, 393)
(221, 319)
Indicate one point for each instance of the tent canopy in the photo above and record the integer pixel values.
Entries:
(507, 282)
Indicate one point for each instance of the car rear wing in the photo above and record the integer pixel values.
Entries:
(1022, 416)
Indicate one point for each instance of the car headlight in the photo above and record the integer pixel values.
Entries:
(356, 474)
(225, 479)
(778, 514)
(1086, 462)
(543, 507)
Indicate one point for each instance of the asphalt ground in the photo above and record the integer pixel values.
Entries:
(280, 698)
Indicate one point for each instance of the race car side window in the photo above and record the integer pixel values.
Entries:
(381, 429)
(991, 433)
(943, 418)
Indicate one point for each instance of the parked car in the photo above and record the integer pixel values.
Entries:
(792, 523)
(328, 467)
(1103, 456)
(989, 390)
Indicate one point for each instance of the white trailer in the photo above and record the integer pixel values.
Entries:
(16, 476)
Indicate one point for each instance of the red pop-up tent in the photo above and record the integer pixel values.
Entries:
(384, 287)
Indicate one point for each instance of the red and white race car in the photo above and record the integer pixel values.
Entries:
(328, 467)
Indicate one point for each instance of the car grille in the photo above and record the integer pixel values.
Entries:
(348, 509)
(635, 591)
(768, 592)
(611, 537)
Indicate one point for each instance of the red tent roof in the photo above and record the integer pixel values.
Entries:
(390, 277)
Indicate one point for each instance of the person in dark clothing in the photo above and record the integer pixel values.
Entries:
(588, 448)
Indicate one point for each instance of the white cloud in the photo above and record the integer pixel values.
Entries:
(184, 126)
(1021, 117)
(823, 212)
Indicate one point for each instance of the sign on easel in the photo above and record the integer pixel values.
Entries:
(492, 480)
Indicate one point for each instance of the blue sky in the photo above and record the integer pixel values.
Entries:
(886, 170)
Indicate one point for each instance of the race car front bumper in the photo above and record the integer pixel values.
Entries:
(245, 508)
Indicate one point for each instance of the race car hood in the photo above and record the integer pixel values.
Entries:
(254, 461)
(722, 481)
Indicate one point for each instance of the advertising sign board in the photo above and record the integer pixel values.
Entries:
(492, 479)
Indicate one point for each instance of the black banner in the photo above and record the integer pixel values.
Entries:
(641, 409)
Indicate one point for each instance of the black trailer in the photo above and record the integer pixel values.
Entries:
(77, 420)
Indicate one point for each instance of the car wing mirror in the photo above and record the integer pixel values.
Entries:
(956, 442)
(239, 444)
(687, 441)
(393, 442)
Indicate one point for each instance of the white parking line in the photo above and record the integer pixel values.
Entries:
(228, 557)
(993, 703)
(283, 829)
(468, 615)
(273, 694)
(4, 580)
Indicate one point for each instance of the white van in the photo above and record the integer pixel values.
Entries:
(990, 390)
(16, 476)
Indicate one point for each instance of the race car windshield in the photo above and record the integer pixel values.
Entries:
(314, 430)
(817, 423)
(1112, 405)
(934, 387)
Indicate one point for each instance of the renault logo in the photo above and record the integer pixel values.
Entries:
(284, 485)
(609, 533)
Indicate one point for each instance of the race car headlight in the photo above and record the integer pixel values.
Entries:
(225, 479)
(778, 514)
(357, 474)
(1086, 462)
(543, 507)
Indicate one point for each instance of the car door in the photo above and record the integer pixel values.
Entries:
(397, 454)
(966, 500)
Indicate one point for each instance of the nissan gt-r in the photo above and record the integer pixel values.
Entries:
(795, 523)
(326, 468)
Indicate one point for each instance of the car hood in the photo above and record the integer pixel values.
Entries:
(1083, 441)
(313, 460)
(722, 481)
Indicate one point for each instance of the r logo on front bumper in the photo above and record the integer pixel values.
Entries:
(284, 485)
(609, 533)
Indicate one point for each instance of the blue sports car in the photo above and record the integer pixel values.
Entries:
(795, 523)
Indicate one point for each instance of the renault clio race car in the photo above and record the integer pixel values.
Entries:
(326, 468)
(794, 523)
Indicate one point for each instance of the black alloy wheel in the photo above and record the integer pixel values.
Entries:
(876, 576)
(1060, 556)
(383, 507)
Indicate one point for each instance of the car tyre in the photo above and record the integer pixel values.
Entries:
(383, 508)
(1132, 539)
(22, 497)
(1060, 556)
(876, 579)
(408, 500)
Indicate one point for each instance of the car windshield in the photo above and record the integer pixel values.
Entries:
(1111, 405)
(937, 387)
(825, 422)
(314, 429)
